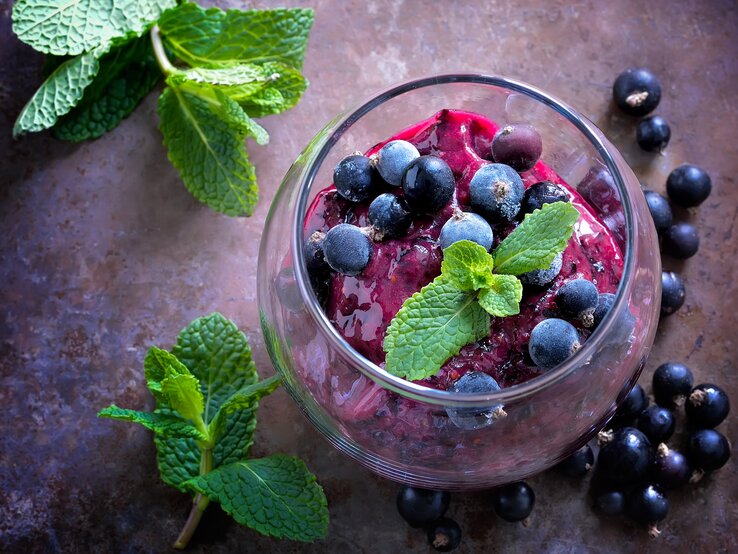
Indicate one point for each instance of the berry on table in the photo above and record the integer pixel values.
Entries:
(605, 302)
(688, 185)
(444, 535)
(542, 193)
(518, 145)
(495, 192)
(578, 298)
(653, 133)
(513, 502)
(657, 422)
(388, 216)
(355, 178)
(660, 210)
(475, 382)
(707, 406)
(466, 226)
(393, 159)
(611, 503)
(347, 249)
(647, 505)
(669, 468)
(708, 450)
(542, 277)
(625, 457)
(428, 184)
(672, 383)
(579, 463)
(672, 292)
(635, 402)
(421, 507)
(552, 342)
(636, 91)
(681, 241)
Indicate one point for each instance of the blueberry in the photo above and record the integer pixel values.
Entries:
(495, 191)
(672, 292)
(707, 406)
(669, 468)
(355, 178)
(611, 503)
(347, 249)
(605, 302)
(647, 505)
(672, 383)
(444, 535)
(708, 450)
(688, 185)
(518, 145)
(428, 184)
(657, 423)
(552, 342)
(466, 226)
(388, 216)
(579, 463)
(475, 382)
(513, 502)
(634, 403)
(681, 241)
(636, 91)
(421, 507)
(393, 159)
(660, 210)
(578, 298)
(653, 133)
(542, 277)
(625, 458)
(542, 193)
(314, 257)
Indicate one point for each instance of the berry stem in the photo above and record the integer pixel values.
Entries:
(159, 53)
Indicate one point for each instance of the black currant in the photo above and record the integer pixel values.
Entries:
(657, 423)
(637, 91)
(672, 292)
(688, 185)
(625, 457)
(672, 383)
(707, 406)
(653, 133)
(444, 535)
(513, 502)
(708, 450)
(681, 240)
(421, 507)
(579, 463)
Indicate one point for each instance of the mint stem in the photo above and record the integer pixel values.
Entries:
(159, 53)
(199, 504)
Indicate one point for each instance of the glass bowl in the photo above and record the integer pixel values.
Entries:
(399, 429)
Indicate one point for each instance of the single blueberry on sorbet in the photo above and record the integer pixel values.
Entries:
(538, 194)
(466, 226)
(605, 303)
(707, 406)
(421, 507)
(496, 191)
(708, 449)
(672, 382)
(669, 468)
(688, 185)
(681, 241)
(518, 145)
(552, 342)
(347, 249)
(388, 216)
(637, 91)
(625, 457)
(513, 502)
(428, 184)
(444, 535)
(542, 277)
(475, 382)
(355, 178)
(393, 159)
(672, 292)
(578, 298)
(657, 423)
(579, 463)
(660, 210)
(653, 133)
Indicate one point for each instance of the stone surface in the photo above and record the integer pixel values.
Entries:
(103, 253)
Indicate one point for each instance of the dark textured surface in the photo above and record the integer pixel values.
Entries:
(103, 252)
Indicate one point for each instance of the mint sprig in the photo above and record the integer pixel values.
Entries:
(454, 310)
(207, 392)
(229, 67)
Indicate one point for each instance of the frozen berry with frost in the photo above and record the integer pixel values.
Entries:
(552, 342)
(495, 192)
(542, 277)
(578, 298)
(347, 249)
(388, 216)
(466, 226)
(393, 159)
(355, 178)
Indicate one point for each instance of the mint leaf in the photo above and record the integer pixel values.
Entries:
(467, 266)
(502, 298)
(59, 93)
(278, 95)
(537, 240)
(183, 395)
(64, 27)
(162, 424)
(204, 133)
(158, 364)
(216, 38)
(276, 496)
(432, 326)
(126, 75)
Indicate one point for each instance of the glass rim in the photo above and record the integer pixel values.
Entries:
(409, 389)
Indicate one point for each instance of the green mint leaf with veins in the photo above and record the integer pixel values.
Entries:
(217, 38)
(126, 75)
(502, 297)
(158, 364)
(537, 240)
(204, 132)
(71, 27)
(276, 496)
(467, 266)
(164, 425)
(182, 393)
(432, 326)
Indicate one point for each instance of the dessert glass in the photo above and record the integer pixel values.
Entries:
(400, 429)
